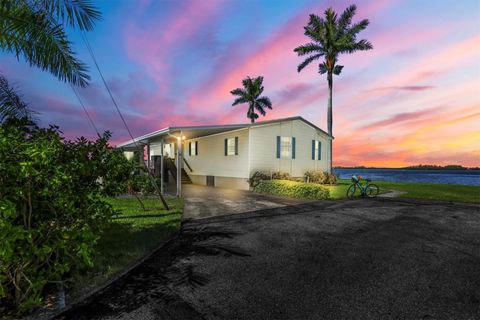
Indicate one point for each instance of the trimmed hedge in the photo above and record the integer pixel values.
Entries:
(320, 177)
(293, 189)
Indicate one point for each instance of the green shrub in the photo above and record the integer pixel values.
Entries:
(263, 175)
(52, 207)
(293, 189)
(281, 176)
(320, 177)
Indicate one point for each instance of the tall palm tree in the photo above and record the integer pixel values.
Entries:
(330, 37)
(250, 93)
(36, 31)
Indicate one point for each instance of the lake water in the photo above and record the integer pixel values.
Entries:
(463, 177)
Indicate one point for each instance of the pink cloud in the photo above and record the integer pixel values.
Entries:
(152, 46)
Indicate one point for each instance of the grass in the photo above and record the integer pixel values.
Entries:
(426, 191)
(132, 234)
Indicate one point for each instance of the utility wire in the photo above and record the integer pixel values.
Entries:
(53, 22)
(85, 110)
(89, 48)
(87, 44)
(92, 55)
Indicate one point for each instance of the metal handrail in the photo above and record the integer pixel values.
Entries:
(190, 168)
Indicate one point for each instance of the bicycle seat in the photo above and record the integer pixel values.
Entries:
(368, 180)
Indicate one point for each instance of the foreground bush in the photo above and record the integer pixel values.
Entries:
(52, 207)
(320, 177)
(293, 189)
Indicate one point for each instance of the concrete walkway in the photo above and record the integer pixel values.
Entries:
(204, 202)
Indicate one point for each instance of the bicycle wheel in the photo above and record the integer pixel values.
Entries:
(351, 191)
(371, 191)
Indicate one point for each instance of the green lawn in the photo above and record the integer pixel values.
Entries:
(132, 234)
(446, 192)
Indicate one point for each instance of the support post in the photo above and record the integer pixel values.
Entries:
(162, 178)
(148, 156)
(141, 155)
(179, 165)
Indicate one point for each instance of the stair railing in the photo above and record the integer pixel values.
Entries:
(188, 165)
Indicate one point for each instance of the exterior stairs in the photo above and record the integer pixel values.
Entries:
(170, 166)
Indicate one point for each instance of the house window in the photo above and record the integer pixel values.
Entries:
(193, 148)
(316, 150)
(231, 146)
(286, 147)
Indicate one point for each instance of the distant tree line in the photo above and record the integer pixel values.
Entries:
(418, 167)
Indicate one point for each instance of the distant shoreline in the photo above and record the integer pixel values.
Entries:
(419, 167)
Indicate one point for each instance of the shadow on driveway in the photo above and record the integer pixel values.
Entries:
(360, 259)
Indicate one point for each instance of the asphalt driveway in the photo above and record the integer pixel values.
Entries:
(360, 259)
(204, 202)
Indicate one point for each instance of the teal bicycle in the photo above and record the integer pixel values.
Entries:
(369, 190)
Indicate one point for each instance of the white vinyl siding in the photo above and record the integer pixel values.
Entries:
(211, 159)
(263, 148)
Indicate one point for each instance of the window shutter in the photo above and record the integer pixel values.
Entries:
(189, 148)
(278, 147)
(196, 148)
(236, 146)
(293, 147)
(313, 149)
(226, 146)
(319, 150)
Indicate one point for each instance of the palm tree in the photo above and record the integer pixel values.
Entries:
(35, 30)
(331, 37)
(250, 93)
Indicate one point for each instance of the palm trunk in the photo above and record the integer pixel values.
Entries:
(330, 116)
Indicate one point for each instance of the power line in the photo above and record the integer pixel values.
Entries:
(53, 22)
(92, 55)
(87, 44)
(86, 112)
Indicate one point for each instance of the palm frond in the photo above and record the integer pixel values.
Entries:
(80, 14)
(247, 83)
(265, 102)
(322, 68)
(337, 69)
(308, 48)
(357, 27)
(239, 92)
(346, 17)
(315, 22)
(239, 101)
(12, 104)
(363, 45)
(259, 108)
(31, 34)
(308, 61)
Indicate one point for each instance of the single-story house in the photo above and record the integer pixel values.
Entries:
(228, 155)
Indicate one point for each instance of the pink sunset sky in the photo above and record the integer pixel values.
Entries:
(414, 98)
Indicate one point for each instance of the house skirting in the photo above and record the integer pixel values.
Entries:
(222, 182)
